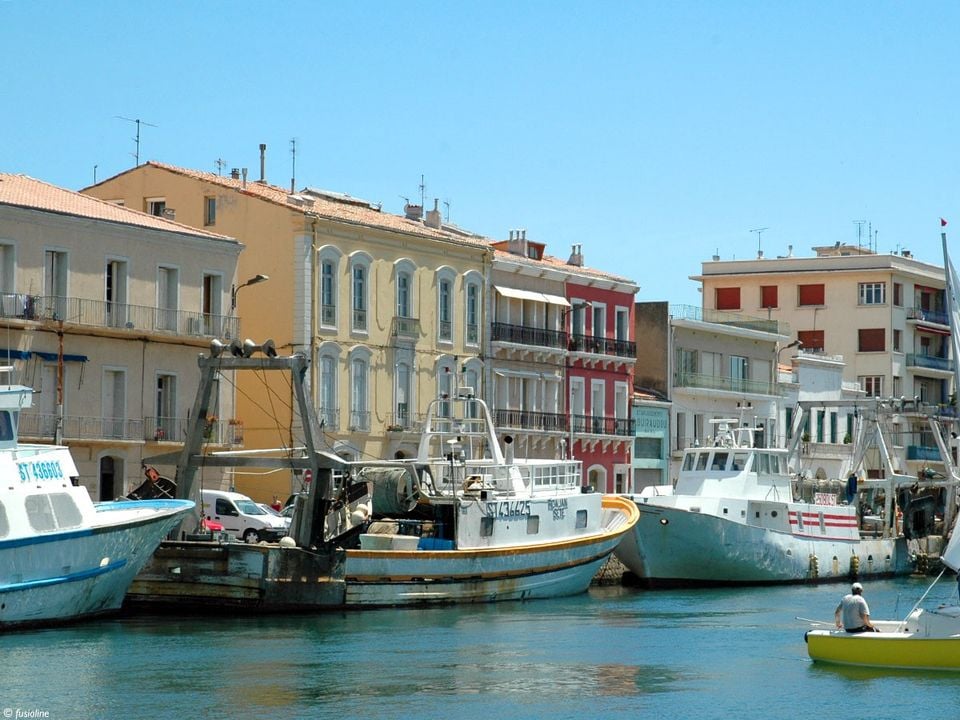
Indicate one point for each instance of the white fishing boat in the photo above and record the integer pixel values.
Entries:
(62, 556)
(738, 515)
(465, 521)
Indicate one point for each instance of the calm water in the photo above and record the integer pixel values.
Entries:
(612, 653)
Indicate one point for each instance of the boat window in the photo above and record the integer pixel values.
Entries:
(581, 519)
(486, 527)
(6, 427)
(775, 464)
(39, 513)
(720, 461)
(740, 461)
(66, 510)
(533, 524)
(702, 461)
(762, 463)
(688, 461)
(4, 523)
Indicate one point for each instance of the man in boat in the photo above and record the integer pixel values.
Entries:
(853, 613)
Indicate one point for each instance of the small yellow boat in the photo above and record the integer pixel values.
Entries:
(925, 640)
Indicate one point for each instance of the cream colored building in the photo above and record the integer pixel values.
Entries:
(883, 314)
(104, 312)
(390, 308)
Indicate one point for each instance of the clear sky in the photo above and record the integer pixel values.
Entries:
(653, 133)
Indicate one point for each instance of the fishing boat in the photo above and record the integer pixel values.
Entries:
(462, 521)
(62, 556)
(739, 516)
(927, 639)
(465, 521)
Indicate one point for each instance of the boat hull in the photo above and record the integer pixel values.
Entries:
(69, 575)
(673, 547)
(903, 651)
(518, 572)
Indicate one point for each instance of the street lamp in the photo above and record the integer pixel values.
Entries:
(795, 343)
(258, 278)
(776, 375)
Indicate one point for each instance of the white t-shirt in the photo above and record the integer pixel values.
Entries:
(853, 609)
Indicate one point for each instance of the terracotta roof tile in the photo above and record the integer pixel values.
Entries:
(27, 192)
(561, 264)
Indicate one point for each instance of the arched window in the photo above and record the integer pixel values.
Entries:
(446, 384)
(472, 374)
(473, 293)
(597, 478)
(360, 264)
(329, 410)
(403, 407)
(446, 277)
(359, 389)
(329, 261)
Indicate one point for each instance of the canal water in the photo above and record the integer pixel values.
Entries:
(612, 653)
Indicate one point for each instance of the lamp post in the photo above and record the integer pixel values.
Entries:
(258, 278)
(776, 376)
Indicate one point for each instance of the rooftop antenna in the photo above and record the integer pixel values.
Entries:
(759, 232)
(446, 205)
(221, 164)
(293, 171)
(94, 174)
(138, 122)
(860, 224)
(423, 191)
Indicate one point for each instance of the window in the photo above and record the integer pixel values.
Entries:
(898, 294)
(113, 402)
(871, 340)
(168, 294)
(329, 412)
(209, 211)
(810, 294)
(873, 293)
(768, 296)
(155, 206)
(445, 388)
(811, 339)
(328, 293)
(166, 404)
(115, 293)
(739, 369)
(55, 281)
(623, 327)
(473, 313)
(402, 393)
(39, 513)
(359, 297)
(210, 303)
(872, 385)
(404, 294)
(359, 407)
(4, 523)
(486, 526)
(650, 448)
(599, 320)
(728, 298)
(65, 510)
(581, 519)
(445, 309)
(898, 340)
(533, 524)
(711, 364)
(719, 461)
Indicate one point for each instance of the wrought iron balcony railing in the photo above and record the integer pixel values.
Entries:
(603, 345)
(527, 419)
(525, 335)
(406, 327)
(601, 425)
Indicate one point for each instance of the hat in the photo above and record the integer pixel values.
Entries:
(856, 587)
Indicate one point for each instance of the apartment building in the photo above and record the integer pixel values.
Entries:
(391, 308)
(562, 357)
(884, 315)
(104, 311)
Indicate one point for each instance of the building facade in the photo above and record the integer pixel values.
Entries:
(104, 312)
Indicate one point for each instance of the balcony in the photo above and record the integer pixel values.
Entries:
(933, 317)
(529, 420)
(102, 314)
(923, 452)
(79, 427)
(598, 425)
(930, 362)
(473, 334)
(446, 330)
(720, 317)
(360, 420)
(727, 384)
(405, 327)
(524, 335)
(603, 345)
(329, 418)
(359, 320)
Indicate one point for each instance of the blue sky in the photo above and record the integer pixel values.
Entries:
(655, 134)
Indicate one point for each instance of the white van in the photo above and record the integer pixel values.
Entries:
(241, 517)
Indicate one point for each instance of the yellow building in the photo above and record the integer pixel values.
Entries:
(390, 308)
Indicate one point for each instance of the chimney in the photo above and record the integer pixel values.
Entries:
(413, 212)
(789, 251)
(518, 242)
(244, 173)
(263, 164)
(759, 254)
(433, 216)
(235, 173)
(576, 256)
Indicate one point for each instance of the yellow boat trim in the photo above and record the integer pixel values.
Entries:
(889, 651)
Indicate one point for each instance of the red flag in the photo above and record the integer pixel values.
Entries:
(943, 223)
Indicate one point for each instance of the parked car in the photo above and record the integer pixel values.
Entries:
(241, 517)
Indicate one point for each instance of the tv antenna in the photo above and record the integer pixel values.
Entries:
(221, 164)
(293, 171)
(860, 224)
(138, 123)
(423, 191)
(759, 232)
(446, 206)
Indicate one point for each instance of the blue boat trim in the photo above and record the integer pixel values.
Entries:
(72, 577)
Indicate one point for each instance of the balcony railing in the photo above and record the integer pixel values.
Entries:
(931, 316)
(923, 452)
(929, 361)
(406, 327)
(446, 330)
(721, 317)
(99, 313)
(603, 345)
(330, 418)
(473, 334)
(80, 427)
(530, 420)
(359, 419)
(524, 335)
(328, 315)
(598, 425)
(359, 319)
(714, 382)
